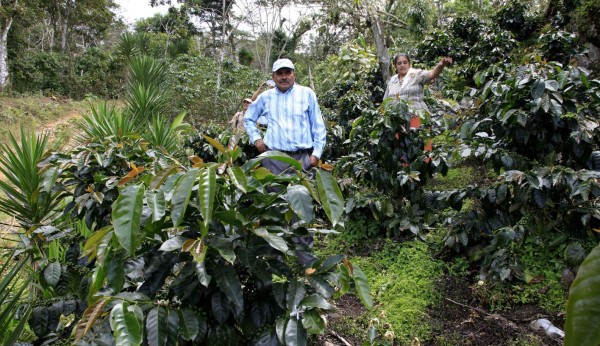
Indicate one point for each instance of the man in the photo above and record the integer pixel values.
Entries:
(294, 122)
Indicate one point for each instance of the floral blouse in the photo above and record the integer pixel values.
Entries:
(409, 88)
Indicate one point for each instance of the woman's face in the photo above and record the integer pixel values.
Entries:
(402, 65)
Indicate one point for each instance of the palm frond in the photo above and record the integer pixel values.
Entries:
(29, 193)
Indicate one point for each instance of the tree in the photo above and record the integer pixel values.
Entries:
(276, 26)
(8, 9)
(78, 22)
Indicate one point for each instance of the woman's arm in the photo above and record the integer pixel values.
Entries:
(258, 91)
(439, 67)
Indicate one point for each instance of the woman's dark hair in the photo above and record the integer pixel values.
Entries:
(404, 55)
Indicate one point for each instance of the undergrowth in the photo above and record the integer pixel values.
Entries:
(401, 277)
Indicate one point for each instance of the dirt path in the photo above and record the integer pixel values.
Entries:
(61, 129)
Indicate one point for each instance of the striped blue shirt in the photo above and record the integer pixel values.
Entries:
(294, 120)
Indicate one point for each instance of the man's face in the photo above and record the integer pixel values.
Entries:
(284, 78)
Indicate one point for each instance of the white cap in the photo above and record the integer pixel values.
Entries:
(247, 100)
(282, 63)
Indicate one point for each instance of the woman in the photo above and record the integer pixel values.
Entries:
(408, 83)
(237, 122)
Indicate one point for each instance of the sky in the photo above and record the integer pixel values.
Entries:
(132, 10)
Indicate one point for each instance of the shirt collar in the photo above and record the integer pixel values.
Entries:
(285, 92)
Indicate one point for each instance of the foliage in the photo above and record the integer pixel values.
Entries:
(515, 18)
(147, 93)
(536, 124)
(97, 72)
(473, 43)
(195, 92)
(584, 18)
(164, 250)
(30, 194)
(584, 297)
(14, 313)
(351, 85)
(43, 71)
(537, 262)
(558, 45)
(92, 72)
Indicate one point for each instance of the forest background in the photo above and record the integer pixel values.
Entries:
(507, 201)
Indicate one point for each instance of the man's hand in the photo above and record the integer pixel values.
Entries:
(260, 145)
(314, 161)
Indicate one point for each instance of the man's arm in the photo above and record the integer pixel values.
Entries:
(255, 110)
(317, 128)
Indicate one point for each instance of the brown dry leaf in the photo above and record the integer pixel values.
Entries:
(327, 166)
(309, 271)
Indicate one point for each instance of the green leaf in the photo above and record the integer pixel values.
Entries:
(329, 263)
(126, 216)
(238, 178)
(551, 85)
(229, 283)
(173, 244)
(189, 324)
(312, 189)
(331, 196)
(545, 103)
(344, 284)
(313, 322)
(583, 306)
(126, 323)
(201, 274)
(39, 320)
(156, 203)
(162, 176)
(295, 293)
(321, 286)
(362, 286)
(280, 330)
(172, 327)
(274, 240)
(316, 301)
(556, 108)
(537, 88)
(115, 270)
(207, 190)
(98, 277)
(301, 202)
(156, 326)
(295, 334)
(279, 156)
(52, 273)
(225, 248)
(181, 196)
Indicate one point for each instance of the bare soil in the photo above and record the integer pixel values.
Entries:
(458, 319)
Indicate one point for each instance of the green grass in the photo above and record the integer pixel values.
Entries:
(401, 277)
(461, 175)
(32, 112)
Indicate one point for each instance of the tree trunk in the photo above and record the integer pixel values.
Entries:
(222, 45)
(5, 27)
(381, 47)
